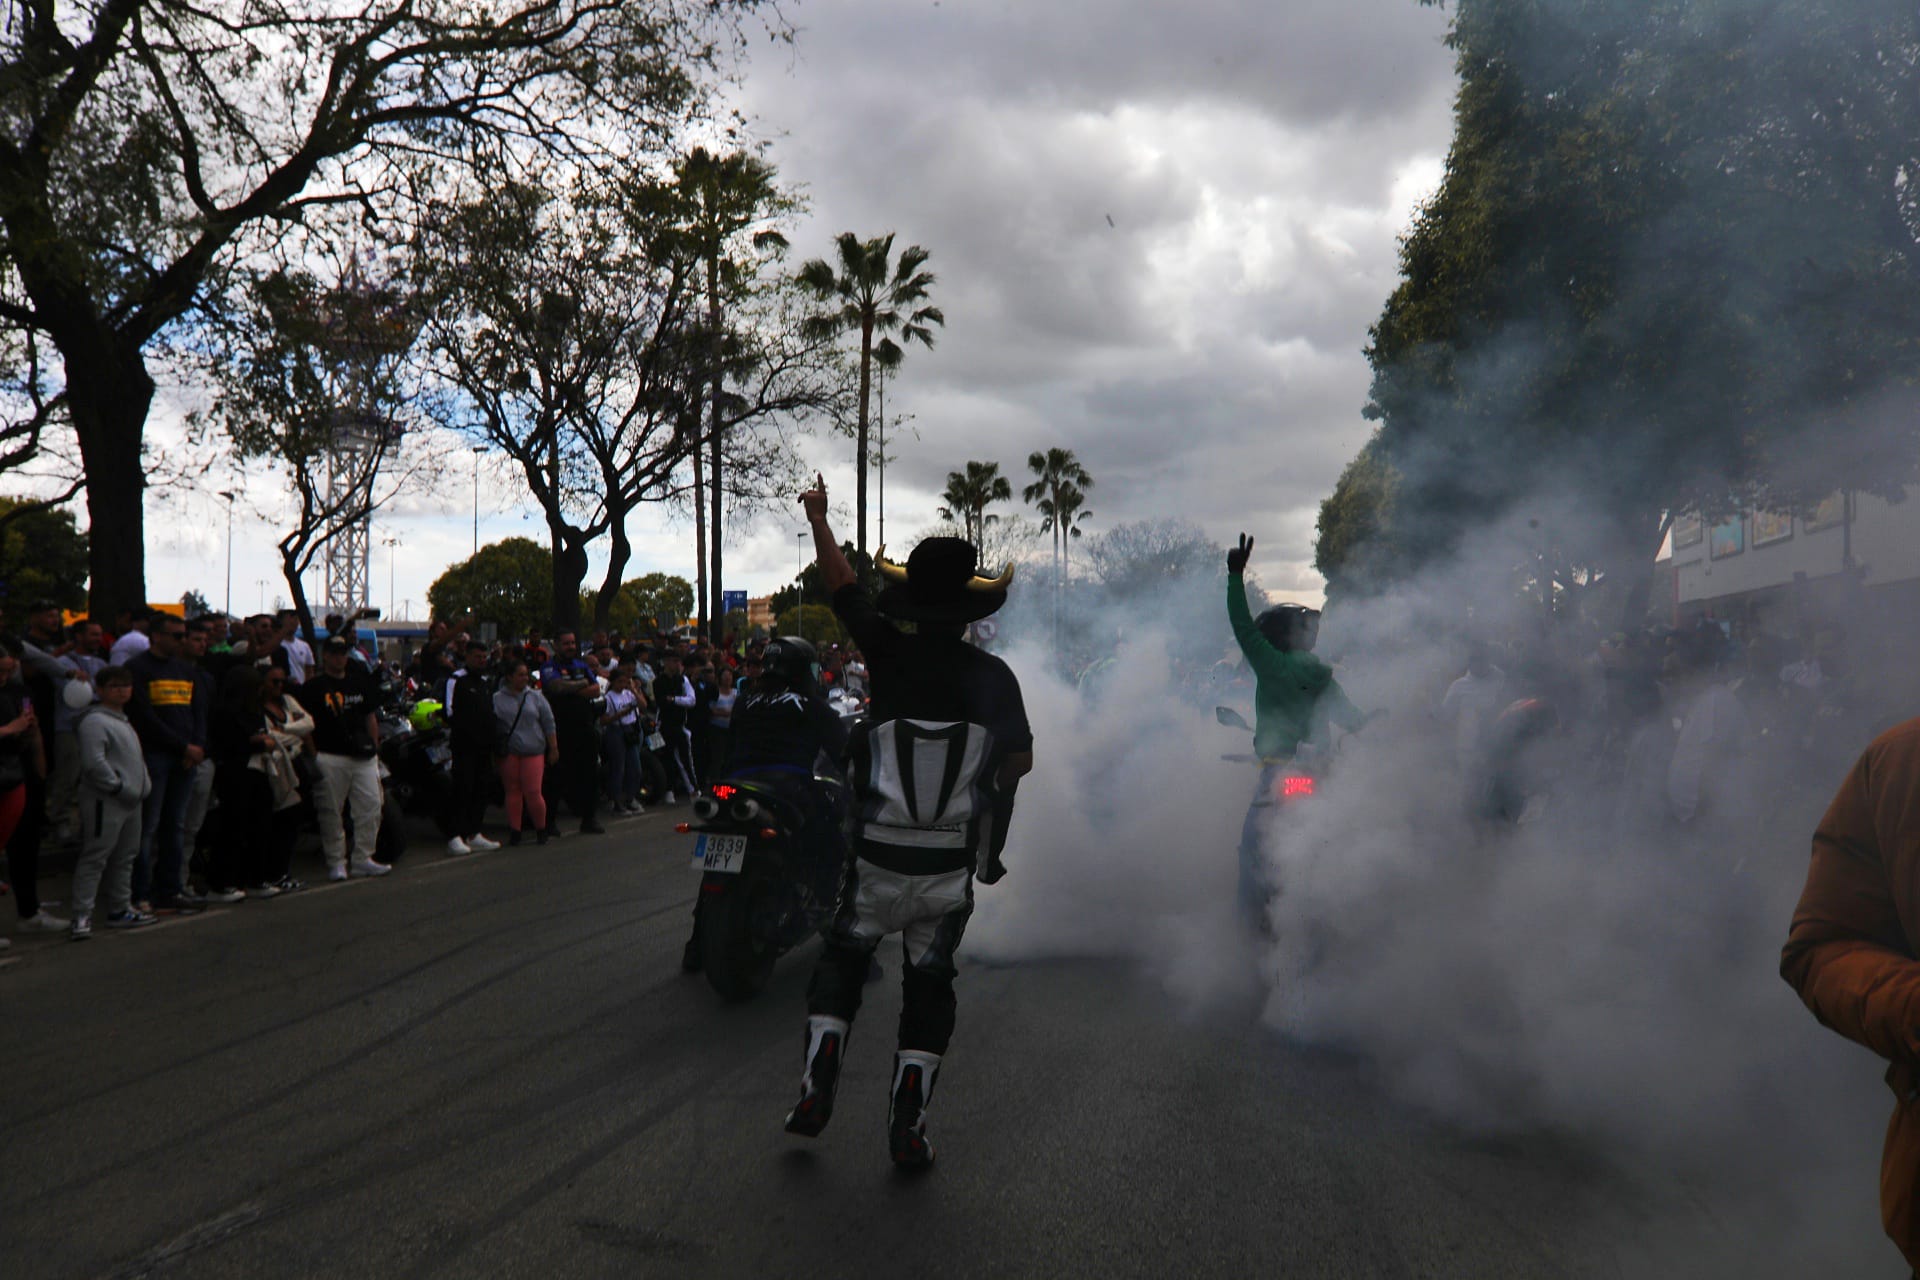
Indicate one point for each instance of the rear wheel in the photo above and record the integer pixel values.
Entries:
(391, 842)
(737, 963)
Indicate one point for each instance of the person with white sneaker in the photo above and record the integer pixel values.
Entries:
(346, 739)
(113, 788)
(469, 704)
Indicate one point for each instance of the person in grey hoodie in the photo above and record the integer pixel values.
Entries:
(113, 786)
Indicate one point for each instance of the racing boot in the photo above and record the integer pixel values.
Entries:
(913, 1076)
(826, 1047)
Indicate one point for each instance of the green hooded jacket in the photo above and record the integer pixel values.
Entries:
(1293, 692)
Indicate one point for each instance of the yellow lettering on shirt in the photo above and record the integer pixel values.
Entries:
(170, 693)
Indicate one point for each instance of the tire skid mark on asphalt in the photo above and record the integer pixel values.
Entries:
(350, 1057)
(207, 1234)
(200, 1055)
(564, 1102)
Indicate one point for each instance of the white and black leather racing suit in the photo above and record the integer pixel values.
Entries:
(927, 814)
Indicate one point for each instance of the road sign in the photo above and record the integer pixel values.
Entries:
(733, 602)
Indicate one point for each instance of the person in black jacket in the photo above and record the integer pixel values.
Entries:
(169, 711)
(469, 707)
(934, 774)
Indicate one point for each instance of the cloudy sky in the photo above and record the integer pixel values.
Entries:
(1160, 233)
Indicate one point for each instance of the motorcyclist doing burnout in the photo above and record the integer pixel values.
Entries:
(783, 735)
(1295, 696)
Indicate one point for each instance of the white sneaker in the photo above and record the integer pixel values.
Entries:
(370, 868)
(671, 799)
(337, 873)
(457, 846)
(43, 921)
(482, 844)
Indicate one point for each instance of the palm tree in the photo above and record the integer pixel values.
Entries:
(967, 495)
(724, 204)
(1058, 492)
(874, 299)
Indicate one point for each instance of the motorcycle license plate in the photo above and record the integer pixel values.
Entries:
(727, 854)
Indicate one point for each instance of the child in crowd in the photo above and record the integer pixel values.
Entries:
(113, 785)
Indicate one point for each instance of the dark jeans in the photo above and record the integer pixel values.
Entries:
(159, 871)
(472, 776)
(619, 765)
(27, 804)
(576, 779)
(253, 842)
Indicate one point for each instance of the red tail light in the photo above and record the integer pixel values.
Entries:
(1295, 785)
(724, 791)
(768, 833)
(683, 827)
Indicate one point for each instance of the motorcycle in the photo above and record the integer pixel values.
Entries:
(849, 705)
(416, 766)
(769, 849)
(1284, 786)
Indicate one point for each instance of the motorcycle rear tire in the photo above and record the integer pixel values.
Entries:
(737, 964)
(390, 843)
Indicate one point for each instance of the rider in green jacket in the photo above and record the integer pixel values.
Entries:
(1294, 692)
(1294, 696)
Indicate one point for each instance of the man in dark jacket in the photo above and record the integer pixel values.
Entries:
(934, 775)
(469, 708)
(169, 712)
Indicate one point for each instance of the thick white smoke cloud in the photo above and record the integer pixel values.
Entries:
(1600, 973)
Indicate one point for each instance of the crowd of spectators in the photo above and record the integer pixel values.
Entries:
(176, 762)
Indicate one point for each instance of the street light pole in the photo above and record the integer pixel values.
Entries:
(391, 555)
(799, 581)
(477, 451)
(227, 608)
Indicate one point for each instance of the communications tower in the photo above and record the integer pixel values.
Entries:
(360, 327)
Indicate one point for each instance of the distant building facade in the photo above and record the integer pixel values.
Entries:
(1772, 570)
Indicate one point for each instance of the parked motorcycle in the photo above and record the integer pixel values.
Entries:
(770, 848)
(416, 755)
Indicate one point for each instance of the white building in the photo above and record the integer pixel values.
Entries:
(1767, 569)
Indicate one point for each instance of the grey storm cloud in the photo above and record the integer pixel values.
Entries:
(1160, 231)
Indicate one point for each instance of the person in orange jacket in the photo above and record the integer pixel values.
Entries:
(1851, 951)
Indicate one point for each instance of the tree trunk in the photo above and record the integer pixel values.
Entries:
(1635, 567)
(619, 552)
(569, 571)
(291, 570)
(717, 621)
(860, 481)
(109, 394)
(699, 527)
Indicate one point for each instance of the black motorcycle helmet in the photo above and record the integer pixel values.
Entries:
(1290, 627)
(791, 662)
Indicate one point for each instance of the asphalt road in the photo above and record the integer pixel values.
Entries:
(491, 1066)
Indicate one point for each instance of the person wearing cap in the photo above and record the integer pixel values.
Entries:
(346, 739)
(469, 702)
(934, 775)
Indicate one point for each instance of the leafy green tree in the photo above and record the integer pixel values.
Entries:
(508, 583)
(1669, 263)
(642, 599)
(43, 555)
(1058, 492)
(873, 297)
(149, 148)
(727, 210)
(815, 622)
(969, 493)
(1357, 549)
(561, 333)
